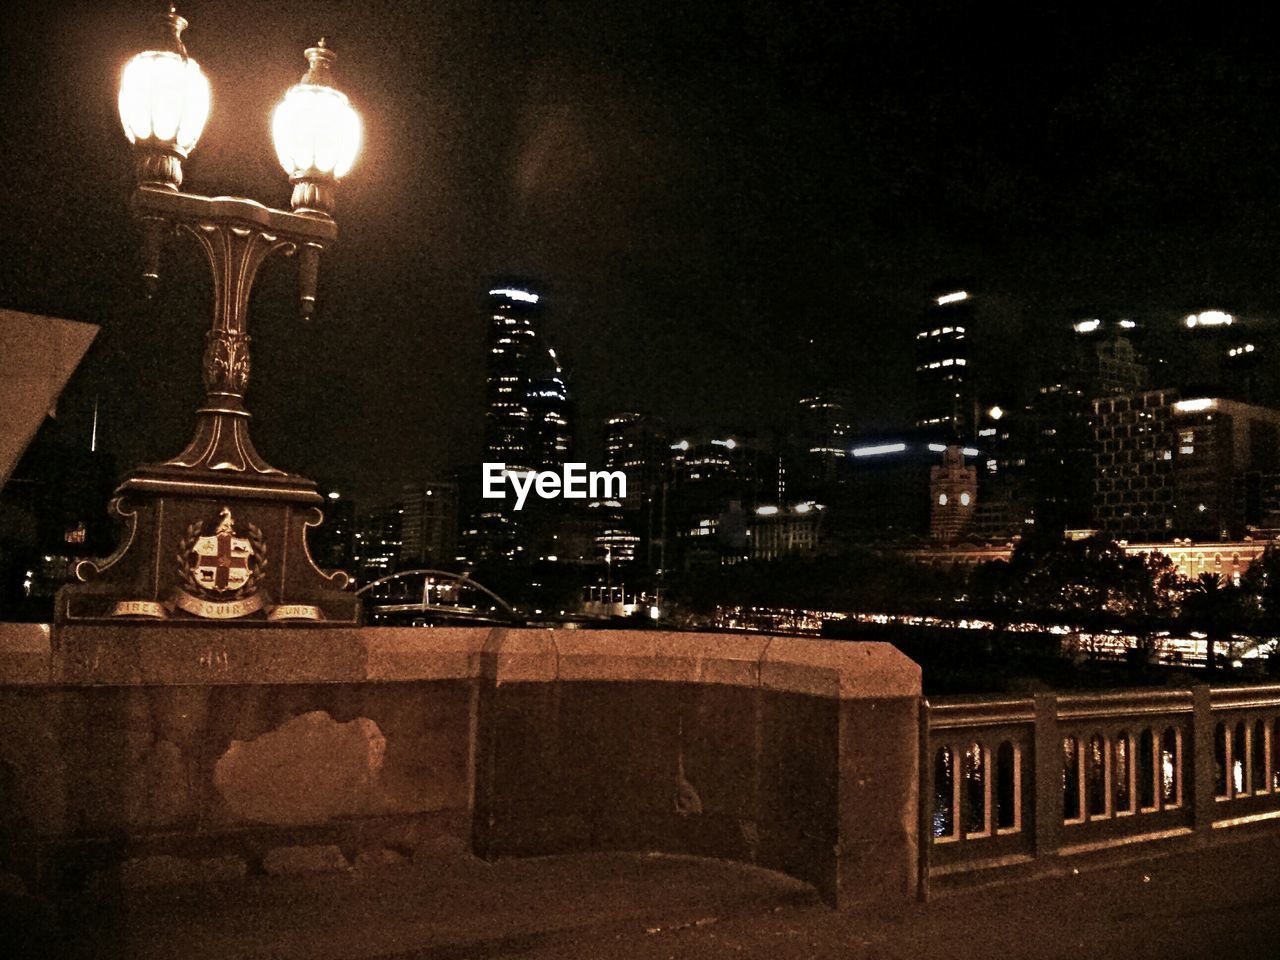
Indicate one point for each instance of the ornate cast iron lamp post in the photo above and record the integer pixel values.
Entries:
(216, 534)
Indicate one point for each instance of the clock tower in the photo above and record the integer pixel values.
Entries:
(953, 488)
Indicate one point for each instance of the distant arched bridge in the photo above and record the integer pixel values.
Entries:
(423, 596)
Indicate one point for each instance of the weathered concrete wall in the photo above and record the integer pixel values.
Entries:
(134, 744)
(794, 754)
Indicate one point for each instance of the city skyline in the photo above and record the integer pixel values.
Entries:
(702, 194)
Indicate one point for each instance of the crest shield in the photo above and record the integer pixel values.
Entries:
(222, 562)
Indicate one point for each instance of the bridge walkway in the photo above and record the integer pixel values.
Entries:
(1218, 902)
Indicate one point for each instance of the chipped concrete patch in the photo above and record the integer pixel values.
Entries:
(308, 770)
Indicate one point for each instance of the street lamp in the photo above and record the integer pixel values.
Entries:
(164, 103)
(317, 134)
(216, 534)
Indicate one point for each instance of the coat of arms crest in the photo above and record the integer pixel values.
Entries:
(220, 571)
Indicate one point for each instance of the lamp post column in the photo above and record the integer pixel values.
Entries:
(236, 238)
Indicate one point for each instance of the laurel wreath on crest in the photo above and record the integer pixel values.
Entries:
(187, 572)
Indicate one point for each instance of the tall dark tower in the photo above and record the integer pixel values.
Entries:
(515, 315)
(943, 355)
(825, 429)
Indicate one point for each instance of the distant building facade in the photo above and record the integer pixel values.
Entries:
(1229, 559)
(1169, 466)
(713, 483)
(637, 444)
(428, 523)
(1052, 462)
(376, 543)
(774, 532)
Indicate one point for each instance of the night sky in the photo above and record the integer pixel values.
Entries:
(702, 188)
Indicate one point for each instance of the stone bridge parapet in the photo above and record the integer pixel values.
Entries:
(245, 748)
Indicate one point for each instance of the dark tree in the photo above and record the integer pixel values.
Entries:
(1213, 606)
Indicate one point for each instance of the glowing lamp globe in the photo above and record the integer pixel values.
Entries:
(164, 103)
(317, 134)
(164, 97)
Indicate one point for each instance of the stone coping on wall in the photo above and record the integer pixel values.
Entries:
(145, 654)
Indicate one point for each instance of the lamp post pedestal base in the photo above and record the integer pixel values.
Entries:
(201, 546)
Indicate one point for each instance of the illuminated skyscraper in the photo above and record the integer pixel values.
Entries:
(942, 363)
(514, 318)
(528, 419)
